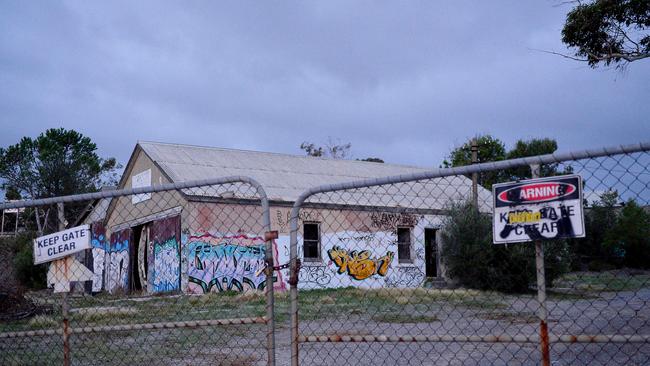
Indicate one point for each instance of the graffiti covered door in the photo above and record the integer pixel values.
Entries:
(164, 252)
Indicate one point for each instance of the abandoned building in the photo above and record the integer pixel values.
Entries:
(209, 239)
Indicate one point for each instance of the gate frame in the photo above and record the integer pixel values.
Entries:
(269, 319)
(441, 173)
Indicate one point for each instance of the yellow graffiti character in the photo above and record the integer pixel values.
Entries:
(359, 265)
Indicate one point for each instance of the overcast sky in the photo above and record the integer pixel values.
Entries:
(402, 81)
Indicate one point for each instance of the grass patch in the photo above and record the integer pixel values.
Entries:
(555, 295)
(104, 309)
(404, 318)
(44, 322)
(608, 281)
(332, 303)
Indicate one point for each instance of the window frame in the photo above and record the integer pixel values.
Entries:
(319, 256)
(408, 260)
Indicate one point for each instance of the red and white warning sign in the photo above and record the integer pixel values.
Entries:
(538, 209)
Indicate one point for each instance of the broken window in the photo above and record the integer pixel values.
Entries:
(404, 244)
(311, 241)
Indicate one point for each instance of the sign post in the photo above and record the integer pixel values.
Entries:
(64, 302)
(535, 210)
(541, 291)
(57, 248)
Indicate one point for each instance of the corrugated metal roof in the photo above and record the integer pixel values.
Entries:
(285, 177)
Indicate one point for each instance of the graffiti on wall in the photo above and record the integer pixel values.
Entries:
(390, 221)
(315, 275)
(166, 269)
(118, 261)
(166, 272)
(98, 250)
(283, 220)
(226, 263)
(359, 265)
(405, 277)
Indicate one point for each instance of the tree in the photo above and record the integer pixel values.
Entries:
(333, 149)
(311, 149)
(600, 218)
(58, 162)
(372, 160)
(12, 194)
(608, 31)
(630, 236)
(534, 147)
(489, 149)
(493, 149)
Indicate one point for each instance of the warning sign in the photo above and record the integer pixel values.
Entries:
(538, 209)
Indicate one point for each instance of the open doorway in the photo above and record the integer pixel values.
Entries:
(430, 252)
(138, 256)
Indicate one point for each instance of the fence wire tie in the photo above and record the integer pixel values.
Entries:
(275, 268)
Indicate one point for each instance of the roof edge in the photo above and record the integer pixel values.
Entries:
(277, 153)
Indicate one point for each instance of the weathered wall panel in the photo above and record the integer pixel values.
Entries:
(118, 269)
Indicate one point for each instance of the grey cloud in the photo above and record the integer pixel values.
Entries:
(405, 82)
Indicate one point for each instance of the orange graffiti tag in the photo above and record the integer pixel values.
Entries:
(359, 265)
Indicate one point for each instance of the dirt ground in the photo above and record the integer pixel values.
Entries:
(580, 304)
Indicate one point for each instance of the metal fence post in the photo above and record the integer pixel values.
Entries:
(475, 174)
(293, 280)
(269, 236)
(64, 305)
(541, 289)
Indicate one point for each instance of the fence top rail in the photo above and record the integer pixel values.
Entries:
(477, 168)
(132, 191)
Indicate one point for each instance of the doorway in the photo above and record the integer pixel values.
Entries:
(138, 257)
(430, 252)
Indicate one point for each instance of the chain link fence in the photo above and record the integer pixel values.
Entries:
(394, 270)
(176, 274)
(402, 270)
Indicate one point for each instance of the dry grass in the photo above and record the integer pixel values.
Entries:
(43, 321)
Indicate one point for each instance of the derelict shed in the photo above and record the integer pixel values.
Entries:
(183, 240)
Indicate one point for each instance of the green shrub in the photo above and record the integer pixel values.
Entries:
(600, 218)
(28, 274)
(475, 262)
(630, 236)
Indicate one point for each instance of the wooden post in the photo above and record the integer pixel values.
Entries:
(541, 290)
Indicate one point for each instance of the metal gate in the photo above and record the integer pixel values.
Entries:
(365, 290)
(178, 274)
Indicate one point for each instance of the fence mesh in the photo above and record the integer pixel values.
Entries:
(172, 277)
(406, 273)
(400, 273)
